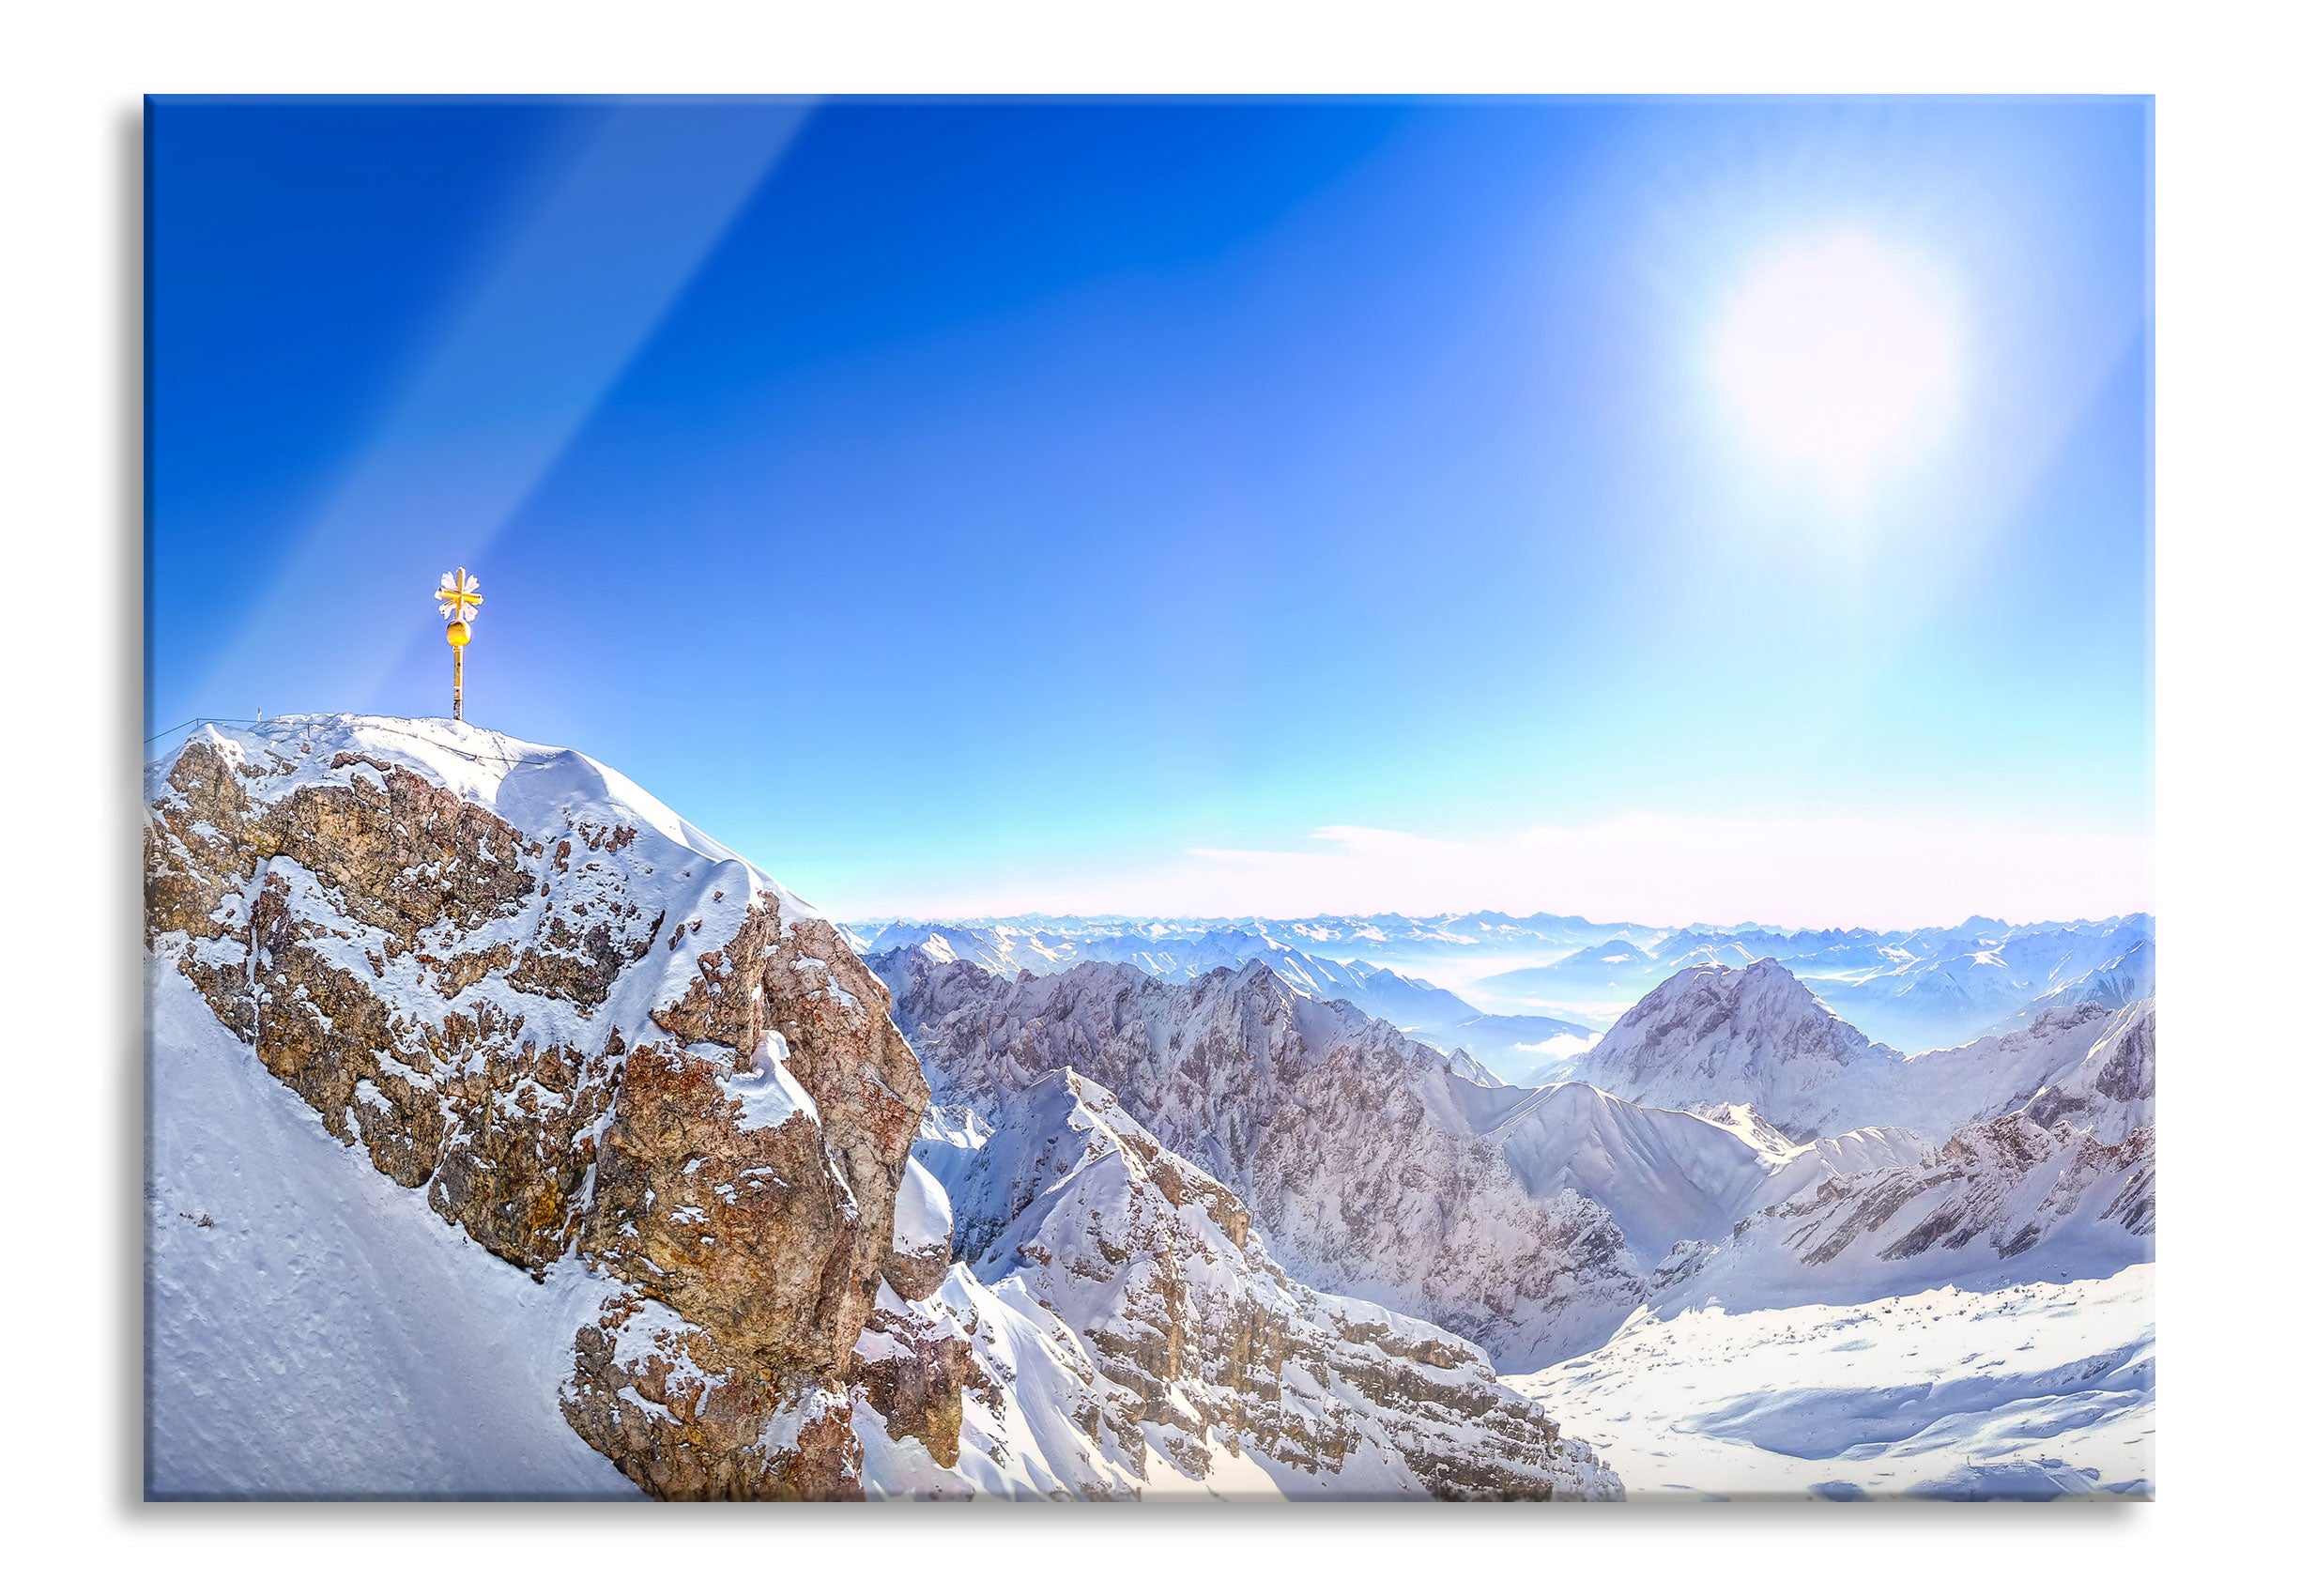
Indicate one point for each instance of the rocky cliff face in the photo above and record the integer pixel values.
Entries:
(1365, 1156)
(1231, 1365)
(589, 1034)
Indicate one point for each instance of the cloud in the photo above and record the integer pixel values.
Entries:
(1794, 870)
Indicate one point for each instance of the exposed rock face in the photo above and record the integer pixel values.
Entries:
(2111, 1091)
(583, 1029)
(688, 1420)
(1157, 1267)
(1372, 1166)
(915, 1369)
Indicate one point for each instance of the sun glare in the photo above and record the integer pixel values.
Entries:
(1839, 360)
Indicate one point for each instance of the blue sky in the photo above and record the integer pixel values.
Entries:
(1191, 506)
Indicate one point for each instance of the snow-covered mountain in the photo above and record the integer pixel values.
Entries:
(2061, 1186)
(1013, 950)
(1373, 1164)
(1713, 1036)
(1914, 989)
(1238, 1374)
(1355, 1147)
(510, 1133)
(2128, 978)
(1523, 1048)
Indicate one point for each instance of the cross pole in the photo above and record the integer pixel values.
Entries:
(459, 601)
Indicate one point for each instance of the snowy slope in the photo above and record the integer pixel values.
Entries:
(1666, 1178)
(2111, 1090)
(2034, 1392)
(323, 1333)
(2004, 1203)
(1033, 1407)
(1999, 1074)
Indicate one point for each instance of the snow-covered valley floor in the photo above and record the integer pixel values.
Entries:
(2033, 1391)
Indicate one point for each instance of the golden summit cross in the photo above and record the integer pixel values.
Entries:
(459, 601)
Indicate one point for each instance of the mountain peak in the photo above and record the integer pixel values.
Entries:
(521, 986)
(1712, 1035)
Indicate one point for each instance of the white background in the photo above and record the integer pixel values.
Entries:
(70, 1108)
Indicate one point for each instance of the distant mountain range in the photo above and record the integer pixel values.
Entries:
(1525, 1048)
(1444, 977)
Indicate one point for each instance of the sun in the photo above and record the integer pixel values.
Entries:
(1840, 359)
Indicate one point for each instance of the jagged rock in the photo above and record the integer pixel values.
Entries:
(916, 1370)
(687, 1422)
(522, 986)
(1157, 1267)
(1366, 1160)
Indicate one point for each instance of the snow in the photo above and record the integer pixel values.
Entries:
(1031, 1442)
(536, 788)
(2037, 1391)
(768, 1094)
(1238, 1479)
(326, 1335)
(1667, 1176)
(922, 1211)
